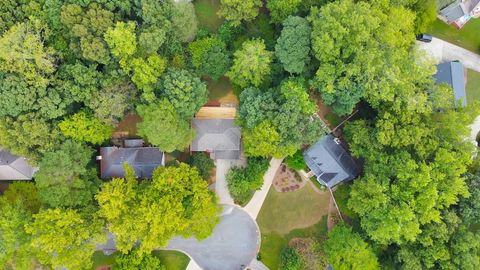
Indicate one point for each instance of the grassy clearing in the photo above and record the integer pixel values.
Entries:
(283, 212)
(173, 260)
(221, 91)
(473, 85)
(290, 215)
(206, 11)
(468, 37)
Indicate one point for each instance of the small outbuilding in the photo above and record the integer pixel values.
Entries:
(453, 74)
(143, 160)
(13, 167)
(330, 162)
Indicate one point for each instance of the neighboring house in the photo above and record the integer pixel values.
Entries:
(14, 167)
(330, 162)
(144, 160)
(219, 137)
(453, 74)
(460, 12)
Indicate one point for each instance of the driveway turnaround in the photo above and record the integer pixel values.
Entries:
(443, 51)
(232, 246)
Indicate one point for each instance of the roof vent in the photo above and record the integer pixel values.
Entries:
(337, 140)
(99, 158)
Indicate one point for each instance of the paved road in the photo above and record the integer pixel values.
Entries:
(255, 204)
(234, 242)
(443, 51)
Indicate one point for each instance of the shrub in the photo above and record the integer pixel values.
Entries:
(203, 163)
(136, 261)
(242, 182)
(296, 161)
(291, 260)
(84, 127)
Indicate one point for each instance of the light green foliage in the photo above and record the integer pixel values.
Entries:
(296, 161)
(146, 73)
(264, 141)
(238, 10)
(184, 91)
(122, 39)
(25, 193)
(63, 237)
(163, 127)
(86, 26)
(203, 163)
(356, 60)
(293, 45)
(242, 182)
(184, 20)
(28, 136)
(210, 57)
(291, 260)
(15, 250)
(134, 261)
(346, 250)
(63, 179)
(442, 97)
(22, 51)
(295, 88)
(138, 212)
(84, 127)
(251, 64)
(281, 9)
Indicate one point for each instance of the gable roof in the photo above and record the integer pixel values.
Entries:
(453, 12)
(453, 74)
(144, 160)
(330, 162)
(14, 167)
(220, 136)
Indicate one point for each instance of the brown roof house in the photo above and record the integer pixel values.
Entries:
(459, 12)
(143, 160)
(14, 167)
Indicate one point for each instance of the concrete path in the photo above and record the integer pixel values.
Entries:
(443, 51)
(255, 204)
(221, 187)
(234, 243)
(257, 265)
(192, 265)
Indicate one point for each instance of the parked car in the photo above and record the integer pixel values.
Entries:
(424, 38)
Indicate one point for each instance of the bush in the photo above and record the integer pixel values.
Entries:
(291, 260)
(203, 163)
(84, 127)
(242, 182)
(136, 261)
(296, 161)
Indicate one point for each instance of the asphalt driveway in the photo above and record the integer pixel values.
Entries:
(234, 243)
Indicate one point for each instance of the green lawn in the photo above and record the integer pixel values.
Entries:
(289, 215)
(206, 11)
(473, 85)
(468, 37)
(173, 260)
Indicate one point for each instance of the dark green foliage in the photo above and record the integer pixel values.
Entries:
(136, 261)
(291, 260)
(242, 182)
(210, 57)
(229, 32)
(203, 163)
(25, 193)
(469, 208)
(293, 45)
(296, 161)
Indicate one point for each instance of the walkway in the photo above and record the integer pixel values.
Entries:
(443, 51)
(255, 204)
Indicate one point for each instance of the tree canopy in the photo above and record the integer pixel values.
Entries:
(239, 10)
(293, 45)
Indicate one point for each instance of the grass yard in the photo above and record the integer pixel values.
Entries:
(206, 11)
(173, 260)
(473, 85)
(468, 37)
(289, 215)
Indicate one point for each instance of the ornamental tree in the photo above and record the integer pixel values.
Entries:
(251, 64)
(293, 45)
(135, 213)
(163, 127)
(238, 10)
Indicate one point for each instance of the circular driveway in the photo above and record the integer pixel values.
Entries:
(233, 245)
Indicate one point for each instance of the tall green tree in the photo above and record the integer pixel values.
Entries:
(293, 45)
(251, 64)
(281, 9)
(238, 10)
(135, 213)
(24, 192)
(163, 127)
(65, 238)
(347, 250)
(184, 20)
(210, 56)
(84, 127)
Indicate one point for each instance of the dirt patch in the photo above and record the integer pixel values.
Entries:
(127, 128)
(216, 113)
(286, 180)
(311, 251)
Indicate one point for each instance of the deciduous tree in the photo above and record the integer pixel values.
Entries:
(238, 10)
(281, 9)
(293, 45)
(84, 127)
(184, 20)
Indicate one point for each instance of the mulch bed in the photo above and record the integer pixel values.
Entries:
(287, 181)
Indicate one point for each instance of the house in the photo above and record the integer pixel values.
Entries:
(453, 74)
(330, 162)
(143, 160)
(219, 137)
(14, 167)
(460, 12)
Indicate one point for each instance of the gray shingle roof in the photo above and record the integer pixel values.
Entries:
(143, 160)
(453, 74)
(453, 11)
(14, 167)
(220, 136)
(330, 162)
